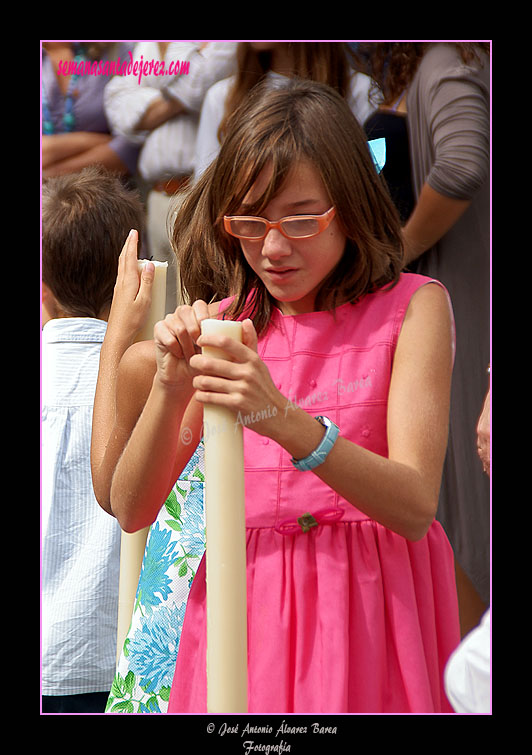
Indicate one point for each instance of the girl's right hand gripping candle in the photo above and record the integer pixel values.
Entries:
(226, 548)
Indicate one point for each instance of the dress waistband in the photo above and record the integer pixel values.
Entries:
(308, 520)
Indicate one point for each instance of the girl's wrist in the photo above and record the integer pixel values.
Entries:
(173, 389)
(297, 431)
(117, 341)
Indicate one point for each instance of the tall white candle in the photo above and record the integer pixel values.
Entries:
(133, 544)
(226, 548)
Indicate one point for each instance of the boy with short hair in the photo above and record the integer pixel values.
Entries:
(86, 218)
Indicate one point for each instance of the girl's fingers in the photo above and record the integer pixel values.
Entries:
(223, 398)
(131, 245)
(122, 258)
(126, 246)
(201, 310)
(211, 384)
(187, 329)
(166, 337)
(207, 365)
(236, 351)
(191, 318)
(147, 277)
(180, 330)
(249, 335)
(127, 261)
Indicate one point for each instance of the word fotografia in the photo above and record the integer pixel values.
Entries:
(137, 68)
(250, 746)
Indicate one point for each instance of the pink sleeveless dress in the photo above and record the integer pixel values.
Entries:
(346, 617)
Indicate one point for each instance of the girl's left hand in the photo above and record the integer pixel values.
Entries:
(241, 383)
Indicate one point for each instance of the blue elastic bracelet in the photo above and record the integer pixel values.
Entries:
(320, 453)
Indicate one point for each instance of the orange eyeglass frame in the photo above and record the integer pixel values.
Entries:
(323, 221)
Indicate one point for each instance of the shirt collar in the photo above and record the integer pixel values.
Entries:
(68, 329)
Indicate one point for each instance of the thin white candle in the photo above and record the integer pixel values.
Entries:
(158, 299)
(226, 548)
(133, 544)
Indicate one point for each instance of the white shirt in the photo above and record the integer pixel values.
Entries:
(80, 541)
(207, 144)
(168, 150)
(467, 674)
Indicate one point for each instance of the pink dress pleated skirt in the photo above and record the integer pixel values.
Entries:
(347, 616)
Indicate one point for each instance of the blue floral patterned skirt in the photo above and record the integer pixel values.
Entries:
(174, 548)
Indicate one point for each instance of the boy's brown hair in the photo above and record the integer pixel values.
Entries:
(86, 218)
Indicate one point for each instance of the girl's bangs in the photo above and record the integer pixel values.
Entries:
(277, 154)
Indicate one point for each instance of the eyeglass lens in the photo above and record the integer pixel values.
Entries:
(256, 228)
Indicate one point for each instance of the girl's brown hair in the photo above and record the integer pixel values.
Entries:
(280, 126)
(325, 62)
(86, 218)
